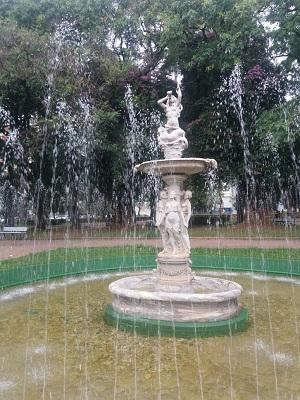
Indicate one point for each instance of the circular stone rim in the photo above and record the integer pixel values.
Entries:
(154, 327)
(184, 166)
(123, 291)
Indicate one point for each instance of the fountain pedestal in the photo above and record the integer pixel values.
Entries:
(173, 263)
(172, 301)
(173, 270)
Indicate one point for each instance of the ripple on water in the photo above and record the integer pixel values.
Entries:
(6, 385)
(279, 357)
(19, 292)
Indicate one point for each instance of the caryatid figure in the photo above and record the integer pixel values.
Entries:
(187, 212)
(160, 216)
(174, 225)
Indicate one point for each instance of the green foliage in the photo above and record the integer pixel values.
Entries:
(42, 15)
(139, 43)
(22, 71)
(285, 20)
(279, 132)
(281, 122)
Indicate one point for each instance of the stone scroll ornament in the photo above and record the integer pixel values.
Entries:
(171, 138)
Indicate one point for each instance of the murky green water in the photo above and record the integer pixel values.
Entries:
(55, 345)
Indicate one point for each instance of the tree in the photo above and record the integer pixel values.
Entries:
(279, 130)
(106, 46)
(22, 72)
(284, 18)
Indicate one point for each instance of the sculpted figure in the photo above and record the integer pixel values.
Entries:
(171, 133)
(187, 212)
(172, 107)
(186, 207)
(174, 225)
(160, 216)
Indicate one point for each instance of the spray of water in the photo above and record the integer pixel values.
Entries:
(14, 177)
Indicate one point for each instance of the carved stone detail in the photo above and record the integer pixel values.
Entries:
(173, 270)
(171, 138)
(173, 213)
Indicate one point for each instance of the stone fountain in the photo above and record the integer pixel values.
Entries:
(172, 300)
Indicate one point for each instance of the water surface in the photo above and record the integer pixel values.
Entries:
(54, 344)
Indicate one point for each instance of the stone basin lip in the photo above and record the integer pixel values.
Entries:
(124, 288)
(185, 166)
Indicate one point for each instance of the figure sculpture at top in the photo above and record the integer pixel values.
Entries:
(171, 137)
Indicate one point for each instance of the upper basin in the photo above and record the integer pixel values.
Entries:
(185, 166)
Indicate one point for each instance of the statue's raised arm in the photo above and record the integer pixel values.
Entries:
(164, 102)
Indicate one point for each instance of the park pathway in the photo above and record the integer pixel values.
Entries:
(17, 248)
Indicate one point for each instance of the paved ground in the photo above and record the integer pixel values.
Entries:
(17, 248)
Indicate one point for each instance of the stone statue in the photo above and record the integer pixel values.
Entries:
(171, 137)
(186, 207)
(174, 224)
(172, 220)
(160, 216)
(187, 212)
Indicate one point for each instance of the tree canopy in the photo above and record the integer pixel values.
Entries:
(68, 66)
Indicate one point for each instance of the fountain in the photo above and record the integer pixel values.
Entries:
(172, 300)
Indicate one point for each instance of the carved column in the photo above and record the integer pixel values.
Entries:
(173, 262)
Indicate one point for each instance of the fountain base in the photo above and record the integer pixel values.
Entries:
(173, 270)
(209, 305)
(154, 327)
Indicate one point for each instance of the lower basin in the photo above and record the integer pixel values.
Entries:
(204, 299)
(54, 344)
